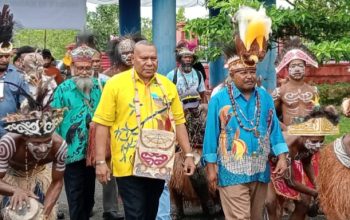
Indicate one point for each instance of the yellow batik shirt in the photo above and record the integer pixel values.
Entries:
(117, 110)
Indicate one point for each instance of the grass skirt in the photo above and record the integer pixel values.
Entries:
(39, 182)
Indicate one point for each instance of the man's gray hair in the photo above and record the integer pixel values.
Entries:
(145, 43)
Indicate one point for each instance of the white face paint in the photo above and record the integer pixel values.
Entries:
(39, 150)
(126, 50)
(314, 146)
(296, 69)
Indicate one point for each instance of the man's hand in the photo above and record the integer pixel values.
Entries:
(281, 166)
(189, 166)
(212, 177)
(20, 199)
(103, 174)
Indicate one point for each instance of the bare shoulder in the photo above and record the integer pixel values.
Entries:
(276, 93)
(59, 152)
(12, 139)
(284, 87)
(309, 87)
(57, 142)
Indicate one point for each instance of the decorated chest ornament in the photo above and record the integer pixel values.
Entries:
(6, 27)
(82, 54)
(253, 28)
(320, 122)
(293, 49)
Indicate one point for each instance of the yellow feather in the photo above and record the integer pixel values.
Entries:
(316, 100)
(255, 30)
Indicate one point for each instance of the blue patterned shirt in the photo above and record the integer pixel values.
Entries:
(12, 98)
(241, 156)
(80, 109)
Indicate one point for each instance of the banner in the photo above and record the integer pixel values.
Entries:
(48, 14)
(148, 3)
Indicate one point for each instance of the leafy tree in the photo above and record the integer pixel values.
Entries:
(56, 40)
(180, 16)
(104, 22)
(324, 25)
(146, 28)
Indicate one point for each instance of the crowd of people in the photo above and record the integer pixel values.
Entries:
(155, 141)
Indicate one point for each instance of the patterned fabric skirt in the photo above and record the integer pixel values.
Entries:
(39, 182)
(195, 124)
(282, 187)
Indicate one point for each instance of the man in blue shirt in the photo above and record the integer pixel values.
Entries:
(189, 82)
(10, 95)
(11, 81)
(242, 128)
(241, 131)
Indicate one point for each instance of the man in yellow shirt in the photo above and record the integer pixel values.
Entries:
(116, 113)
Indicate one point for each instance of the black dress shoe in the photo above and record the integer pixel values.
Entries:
(112, 216)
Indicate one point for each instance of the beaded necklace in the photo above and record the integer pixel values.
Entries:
(257, 113)
(26, 167)
(184, 77)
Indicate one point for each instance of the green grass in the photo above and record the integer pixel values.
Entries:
(344, 127)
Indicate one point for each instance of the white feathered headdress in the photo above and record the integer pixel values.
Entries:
(254, 28)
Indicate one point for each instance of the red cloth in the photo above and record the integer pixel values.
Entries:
(91, 149)
(281, 186)
(54, 72)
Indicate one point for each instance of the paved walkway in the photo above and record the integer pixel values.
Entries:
(193, 213)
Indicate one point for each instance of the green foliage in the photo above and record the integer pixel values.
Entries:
(56, 40)
(146, 28)
(324, 24)
(180, 16)
(333, 94)
(104, 22)
(218, 30)
(337, 50)
(344, 127)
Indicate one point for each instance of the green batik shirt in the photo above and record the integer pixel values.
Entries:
(80, 109)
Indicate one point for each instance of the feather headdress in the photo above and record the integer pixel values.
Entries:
(182, 48)
(6, 27)
(35, 118)
(254, 28)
